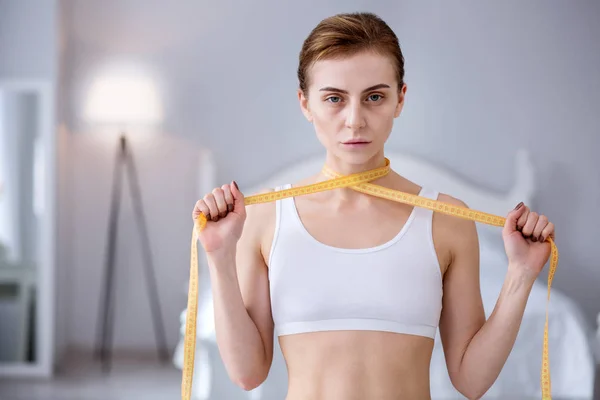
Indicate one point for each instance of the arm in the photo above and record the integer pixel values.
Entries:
(476, 350)
(243, 322)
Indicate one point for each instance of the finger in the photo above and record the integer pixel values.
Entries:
(511, 220)
(228, 197)
(212, 207)
(220, 201)
(200, 207)
(523, 219)
(532, 220)
(548, 232)
(539, 227)
(238, 199)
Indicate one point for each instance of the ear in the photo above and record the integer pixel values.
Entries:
(304, 105)
(400, 105)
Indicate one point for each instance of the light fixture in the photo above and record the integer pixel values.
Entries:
(125, 97)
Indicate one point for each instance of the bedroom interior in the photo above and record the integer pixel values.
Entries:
(494, 116)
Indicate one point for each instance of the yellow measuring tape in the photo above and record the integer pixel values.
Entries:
(358, 182)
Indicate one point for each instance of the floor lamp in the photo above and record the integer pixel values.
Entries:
(129, 101)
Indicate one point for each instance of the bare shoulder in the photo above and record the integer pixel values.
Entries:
(257, 212)
(451, 221)
(260, 223)
(453, 235)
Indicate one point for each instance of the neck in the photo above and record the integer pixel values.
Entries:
(345, 168)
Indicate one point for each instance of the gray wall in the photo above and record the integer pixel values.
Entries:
(28, 39)
(482, 79)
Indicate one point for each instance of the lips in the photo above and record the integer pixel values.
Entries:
(356, 141)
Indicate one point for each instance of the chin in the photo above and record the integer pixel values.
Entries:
(356, 157)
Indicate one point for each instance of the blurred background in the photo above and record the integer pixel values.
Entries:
(173, 98)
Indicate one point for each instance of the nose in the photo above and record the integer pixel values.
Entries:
(355, 118)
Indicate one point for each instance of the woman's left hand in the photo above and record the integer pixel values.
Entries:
(525, 237)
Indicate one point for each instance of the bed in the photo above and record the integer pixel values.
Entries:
(571, 349)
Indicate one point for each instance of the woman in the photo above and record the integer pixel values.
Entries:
(355, 286)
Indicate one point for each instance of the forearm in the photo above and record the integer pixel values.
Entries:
(489, 349)
(238, 337)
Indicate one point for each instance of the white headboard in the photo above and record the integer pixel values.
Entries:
(425, 173)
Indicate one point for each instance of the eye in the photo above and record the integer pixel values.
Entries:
(333, 99)
(375, 97)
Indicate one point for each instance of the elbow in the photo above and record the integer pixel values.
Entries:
(472, 393)
(469, 394)
(473, 396)
(468, 389)
(249, 380)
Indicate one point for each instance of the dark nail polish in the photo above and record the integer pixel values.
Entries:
(519, 206)
(223, 214)
(230, 207)
(208, 217)
(215, 219)
(236, 186)
(542, 238)
(533, 239)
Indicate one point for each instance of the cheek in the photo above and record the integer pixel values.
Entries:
(321, 109)
(324, 129)
(325, 117)
(381, 122)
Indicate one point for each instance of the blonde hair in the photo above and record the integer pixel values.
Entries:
(344, 35)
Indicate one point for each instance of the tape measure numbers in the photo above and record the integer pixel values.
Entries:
(359, 182)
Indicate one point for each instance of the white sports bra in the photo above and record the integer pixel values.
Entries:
(393, 287)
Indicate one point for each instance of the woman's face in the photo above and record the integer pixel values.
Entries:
(352, 103)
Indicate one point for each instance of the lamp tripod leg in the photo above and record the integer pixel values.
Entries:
(151, 284)
(106, 314)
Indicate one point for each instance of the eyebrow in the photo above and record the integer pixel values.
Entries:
(332, 89)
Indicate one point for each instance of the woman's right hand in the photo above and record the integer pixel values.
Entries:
(225, 213)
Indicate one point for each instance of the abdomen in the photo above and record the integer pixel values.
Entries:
(357, 365)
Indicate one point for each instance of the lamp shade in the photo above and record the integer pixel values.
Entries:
(126, 96)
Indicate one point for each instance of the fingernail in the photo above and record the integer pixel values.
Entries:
(215, 219)
(542, 238)
(236, 186)
(533, 239)
(519, 206)
(223, 214)
(230, 207)
(208, 217)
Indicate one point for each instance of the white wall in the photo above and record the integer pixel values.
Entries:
(482, 79)
(29, 51)
(167, 169)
